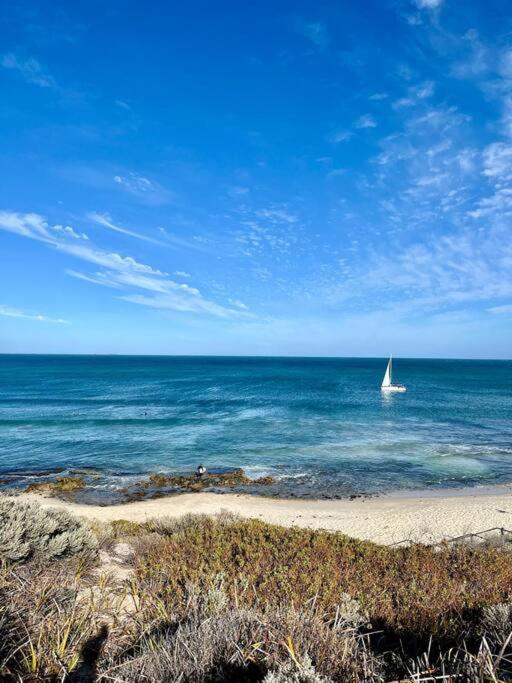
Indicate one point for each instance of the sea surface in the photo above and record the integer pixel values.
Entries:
(319, 426)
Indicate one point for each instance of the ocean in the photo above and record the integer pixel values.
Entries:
(319, 426)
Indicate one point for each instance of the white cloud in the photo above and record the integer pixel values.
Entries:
(195, 243)
(506, 309)
(10, 312)
(428, 4)
(237, 191)
(28, 224)
(376, 97)
(497, 159)
(134, 182)
(365, 121)
(497, 163)
(182, 273)
(341, 136)
(238, 304)
(148, 191)
(466, 266)
(121, 272)
(415, 94)
(97, 279)
(29, 69)
(474, 57)
(277, 215)
(68, 231)
(105, 220)
(505, 65)
(315, 31)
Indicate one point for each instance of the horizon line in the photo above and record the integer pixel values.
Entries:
(219, 355)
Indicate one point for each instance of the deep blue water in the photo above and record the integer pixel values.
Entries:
(320, 426)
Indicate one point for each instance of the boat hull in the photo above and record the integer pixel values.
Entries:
(394, 388)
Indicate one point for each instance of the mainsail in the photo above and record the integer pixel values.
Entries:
(386, 382)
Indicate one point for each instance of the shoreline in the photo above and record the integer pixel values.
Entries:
(426, 516)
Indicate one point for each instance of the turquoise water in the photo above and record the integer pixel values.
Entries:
(320, 426)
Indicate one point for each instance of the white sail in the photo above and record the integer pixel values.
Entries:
(386, 382)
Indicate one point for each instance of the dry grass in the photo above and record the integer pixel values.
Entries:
(230, 600)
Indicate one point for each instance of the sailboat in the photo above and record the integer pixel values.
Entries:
(387, 383)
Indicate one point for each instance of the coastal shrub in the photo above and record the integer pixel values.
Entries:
(27, 528)
(217, 641)
(415, 590)
(496, 623)
(227, 599)
(291, 673)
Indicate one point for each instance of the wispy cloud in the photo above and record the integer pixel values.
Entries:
(341, 136)
(473, 57)
(497, 166)
(428, 4)
(119, 272)
(506, 309)
(415, 94)
(315, 31)
(106, 221)
(10, 312)
(122, 105)
(68, 231)
(29, 69)
(146, 190)
(277, 215)
(365, 121)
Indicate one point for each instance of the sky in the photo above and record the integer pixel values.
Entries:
(270, 178)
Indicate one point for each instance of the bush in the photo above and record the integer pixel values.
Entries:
(291, 673)
(226, 599)
(27, 528)
(416, 590)
(215, 641)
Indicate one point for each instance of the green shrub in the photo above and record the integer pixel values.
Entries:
(416, 590)
(26, 528)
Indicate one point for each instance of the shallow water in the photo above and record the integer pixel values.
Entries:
(319, 426)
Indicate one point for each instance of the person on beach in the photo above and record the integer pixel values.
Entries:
(201, 470)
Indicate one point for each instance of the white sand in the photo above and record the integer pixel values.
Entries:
(389, 519)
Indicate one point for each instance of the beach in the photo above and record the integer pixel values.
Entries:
(428, 517)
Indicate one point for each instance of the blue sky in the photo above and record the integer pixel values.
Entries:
(285, 178)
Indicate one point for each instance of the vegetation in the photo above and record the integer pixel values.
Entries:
(225, 599)
(27, 529)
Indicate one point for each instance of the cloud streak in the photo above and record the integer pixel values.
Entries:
(144, 189)
(29, 69)
(119, 272)
(10, 312)
(315, 31)
(105, 220)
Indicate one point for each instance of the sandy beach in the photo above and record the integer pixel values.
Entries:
(428, 517)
